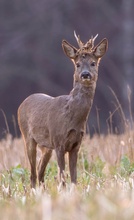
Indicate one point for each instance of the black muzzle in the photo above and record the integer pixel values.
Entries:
(86, 75)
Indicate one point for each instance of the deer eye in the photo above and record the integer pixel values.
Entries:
(93, 63)
(78, 65)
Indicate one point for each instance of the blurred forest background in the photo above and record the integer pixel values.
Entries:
(32, 60)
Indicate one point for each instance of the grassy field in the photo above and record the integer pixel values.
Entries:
(105, 187)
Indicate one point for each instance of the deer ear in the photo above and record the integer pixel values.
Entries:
(69, 50)
(101, 48)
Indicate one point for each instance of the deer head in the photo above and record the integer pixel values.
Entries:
(86, 59)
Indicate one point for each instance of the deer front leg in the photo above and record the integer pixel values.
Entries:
(61, 167)
(73, 154)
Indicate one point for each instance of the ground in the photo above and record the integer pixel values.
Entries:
(105, 188)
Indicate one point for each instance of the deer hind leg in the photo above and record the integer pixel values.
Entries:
(31, 153)
(46, 155)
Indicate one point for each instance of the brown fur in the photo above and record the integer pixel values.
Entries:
(59, 123)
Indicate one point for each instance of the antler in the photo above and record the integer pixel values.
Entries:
(80, 44)
(95, 37)
(88, 46)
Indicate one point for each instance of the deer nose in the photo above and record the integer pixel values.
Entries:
(86, 75)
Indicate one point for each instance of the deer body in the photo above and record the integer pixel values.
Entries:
(59, 123)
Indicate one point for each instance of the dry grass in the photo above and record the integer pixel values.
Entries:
(11, 153)
(109, 148)
(105, 187)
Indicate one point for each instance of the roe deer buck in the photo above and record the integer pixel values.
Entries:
(59, 123)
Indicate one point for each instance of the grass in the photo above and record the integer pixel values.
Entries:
(105, 188)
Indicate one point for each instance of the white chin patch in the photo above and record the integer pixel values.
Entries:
(86, 79)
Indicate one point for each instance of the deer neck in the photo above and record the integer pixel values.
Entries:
(83, 92)
(81, 99)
